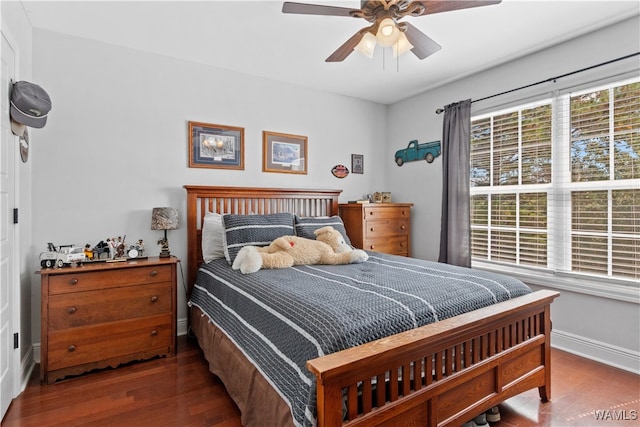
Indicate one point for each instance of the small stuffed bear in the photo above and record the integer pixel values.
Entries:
(286, 251)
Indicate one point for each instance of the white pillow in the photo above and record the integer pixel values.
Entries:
(212, 237)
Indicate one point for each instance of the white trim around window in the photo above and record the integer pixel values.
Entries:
(621, 290)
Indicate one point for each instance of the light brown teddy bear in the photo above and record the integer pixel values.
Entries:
(286, 251)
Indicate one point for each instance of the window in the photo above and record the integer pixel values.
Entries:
(556, 184)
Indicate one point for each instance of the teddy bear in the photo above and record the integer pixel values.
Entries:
(286, 251)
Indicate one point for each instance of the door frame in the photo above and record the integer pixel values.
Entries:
(15, 369)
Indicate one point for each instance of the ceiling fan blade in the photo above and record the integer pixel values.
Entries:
(438, 6)
(316, 9)
(423, 45)
(347, 47)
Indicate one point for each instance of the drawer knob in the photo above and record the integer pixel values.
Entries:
(73, 281)
(153, 273)
(71, 348)
(154, 298)
(402, 244)
(154, 333)
(402, 227)
(372, 228)
(71, 310)
(372, 247)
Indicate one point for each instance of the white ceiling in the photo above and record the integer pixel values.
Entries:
(255, 37)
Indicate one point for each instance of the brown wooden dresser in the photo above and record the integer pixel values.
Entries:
(381, 227)
(105, 314)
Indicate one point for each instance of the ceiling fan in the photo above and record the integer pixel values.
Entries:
(385, 28)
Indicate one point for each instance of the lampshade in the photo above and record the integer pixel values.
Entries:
(367, 45)
(388, 32)
(164, 219)
(402, 45)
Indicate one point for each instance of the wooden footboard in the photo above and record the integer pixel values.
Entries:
(441, 374)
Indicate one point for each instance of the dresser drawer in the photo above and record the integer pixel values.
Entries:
(398, 245)
(83, 345)
(390, 227)
(376, 212)
(85, 281)
(108, 305)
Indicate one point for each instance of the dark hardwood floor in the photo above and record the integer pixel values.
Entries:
(175, 391)
(180, 391)
(583, 393)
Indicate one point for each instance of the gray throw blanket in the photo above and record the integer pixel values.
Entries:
(282, 318)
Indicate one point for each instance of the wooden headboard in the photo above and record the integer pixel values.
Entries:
(247, 200)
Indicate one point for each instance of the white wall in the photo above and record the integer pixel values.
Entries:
(115, 144)
(603, 329)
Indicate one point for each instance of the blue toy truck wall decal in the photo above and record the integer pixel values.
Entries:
(414, 151)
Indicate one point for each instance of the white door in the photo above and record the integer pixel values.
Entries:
(9, 357)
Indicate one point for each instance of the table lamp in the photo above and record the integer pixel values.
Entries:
(164, 219)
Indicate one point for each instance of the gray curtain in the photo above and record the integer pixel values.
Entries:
(455, 247)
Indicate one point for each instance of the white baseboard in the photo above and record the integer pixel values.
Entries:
(608, 354)
(36, 352)
(27, 365)
(182, 326)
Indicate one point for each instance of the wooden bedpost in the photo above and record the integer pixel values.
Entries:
(193, 261)
(545, 390)
(329, 408)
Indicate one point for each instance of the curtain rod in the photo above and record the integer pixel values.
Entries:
(551, 79)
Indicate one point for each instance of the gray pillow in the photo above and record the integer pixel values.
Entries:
(305, 226)
(253, 230)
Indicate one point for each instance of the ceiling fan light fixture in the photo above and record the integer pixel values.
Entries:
(388, 32)
(402, 46)
(385, 17)
(367, 45)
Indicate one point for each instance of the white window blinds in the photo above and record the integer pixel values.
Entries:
(587, 219)
(510, 176)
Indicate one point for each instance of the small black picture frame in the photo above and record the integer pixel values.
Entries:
(357, 163)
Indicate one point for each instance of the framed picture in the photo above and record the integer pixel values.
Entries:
(216, 146)
(284, 153)
(357, 163)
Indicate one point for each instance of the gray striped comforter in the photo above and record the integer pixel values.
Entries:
(282, 318)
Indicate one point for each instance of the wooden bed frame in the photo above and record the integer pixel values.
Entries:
(475, 360)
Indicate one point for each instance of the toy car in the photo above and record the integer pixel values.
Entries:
(61, 256)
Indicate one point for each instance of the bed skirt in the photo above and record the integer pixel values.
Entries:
(259, 404)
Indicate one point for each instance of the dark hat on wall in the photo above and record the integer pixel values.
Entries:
(30, 104)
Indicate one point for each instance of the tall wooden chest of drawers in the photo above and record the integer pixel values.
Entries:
(381, 227)
(105, 314)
